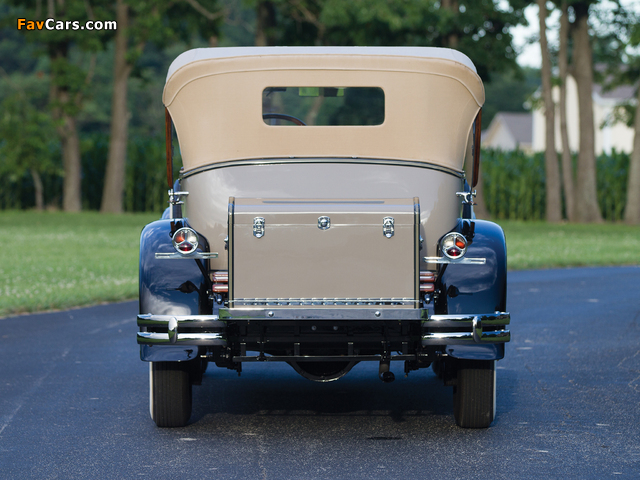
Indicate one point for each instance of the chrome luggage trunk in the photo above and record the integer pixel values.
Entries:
(324, 252)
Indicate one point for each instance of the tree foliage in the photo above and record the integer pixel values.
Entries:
(67, 76)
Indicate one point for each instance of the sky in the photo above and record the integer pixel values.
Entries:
(529, 55)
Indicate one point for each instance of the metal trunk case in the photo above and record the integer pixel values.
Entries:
(327, 252)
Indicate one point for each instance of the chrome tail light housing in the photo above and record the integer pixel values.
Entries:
(185, 240)
(453, 245)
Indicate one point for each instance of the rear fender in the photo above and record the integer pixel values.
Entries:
(169, 287)
(476, 289)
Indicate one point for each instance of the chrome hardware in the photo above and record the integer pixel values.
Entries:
(463, 260)
(324, 223)
(172, 330)
(190, 256)
(467, 197)
(175, 198)
(388, 228)
(258, 227)
(454, 245)
(440, 325)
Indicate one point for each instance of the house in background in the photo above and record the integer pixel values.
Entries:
(509, 131)
(607, 136)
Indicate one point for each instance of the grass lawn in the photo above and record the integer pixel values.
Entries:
(57, 260)
(536, 245)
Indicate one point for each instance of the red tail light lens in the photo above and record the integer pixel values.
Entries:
(454, 245)
(185, 240)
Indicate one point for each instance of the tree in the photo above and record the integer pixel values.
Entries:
(567, 163)
(630, 75)
(586, 200)
(141, 22)
(27, 141)
(115, 171)
(71, 73)
(552, 180)
(69, 84)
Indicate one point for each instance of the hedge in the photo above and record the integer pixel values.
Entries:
(513, 182)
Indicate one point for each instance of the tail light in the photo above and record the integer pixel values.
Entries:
(185, 240)
(454, 245)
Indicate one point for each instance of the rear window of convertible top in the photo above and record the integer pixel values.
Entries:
(323, 106)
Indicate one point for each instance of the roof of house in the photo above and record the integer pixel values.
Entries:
(622, 92)
(519, 124)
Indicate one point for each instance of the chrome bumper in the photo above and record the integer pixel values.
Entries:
(173, 325)
(209, 330)
(474, 324)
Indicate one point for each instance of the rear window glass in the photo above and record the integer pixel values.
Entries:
(323, 106)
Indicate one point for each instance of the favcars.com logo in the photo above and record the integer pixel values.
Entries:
(53, 24)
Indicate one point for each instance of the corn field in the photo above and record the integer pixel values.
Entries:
(513, 182)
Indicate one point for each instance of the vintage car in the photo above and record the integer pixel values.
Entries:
(323, 217)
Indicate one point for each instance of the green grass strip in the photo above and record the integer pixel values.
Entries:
(537, 245)
(58, 260)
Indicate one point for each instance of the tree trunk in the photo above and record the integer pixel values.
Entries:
(552, 171)
(586, 202)
(39, 190)
(632, 208)
(71, 190)
(117, 157)
(567, 164)
(68, 131)
(265, 23)
(451, 40)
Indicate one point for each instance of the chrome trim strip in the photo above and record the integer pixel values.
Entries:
(338, 302)
(463, 338)
(174, 323)
(150, 320)
(152, 338)
(438, 321)
(363, 160)
(463, 260)
(475, 324)
(324, 313)
(190, 256)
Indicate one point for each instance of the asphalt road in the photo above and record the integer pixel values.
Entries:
(74, 401)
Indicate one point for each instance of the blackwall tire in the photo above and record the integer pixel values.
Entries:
(170, 393)
(474, 395)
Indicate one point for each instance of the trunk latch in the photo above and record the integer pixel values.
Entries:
(324, 223)
(388, 228)
(258, 227)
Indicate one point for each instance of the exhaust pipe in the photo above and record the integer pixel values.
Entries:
(384, 374)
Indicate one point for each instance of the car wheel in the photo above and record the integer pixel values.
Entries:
(474, 395)
(170, 393)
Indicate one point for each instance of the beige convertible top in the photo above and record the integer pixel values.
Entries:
(431, 95)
